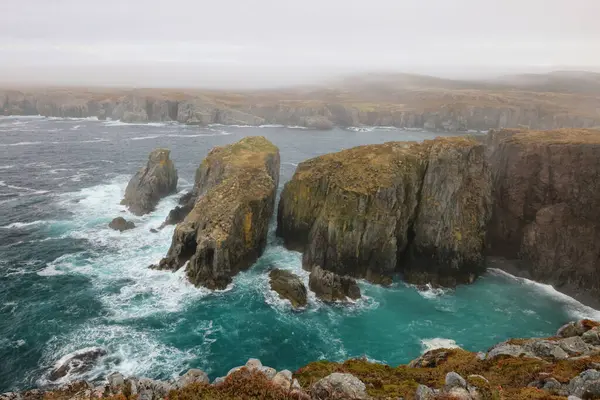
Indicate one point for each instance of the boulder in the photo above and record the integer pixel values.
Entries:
(151, 183)
(430, 359)
(121, 224)
(288, 286)
(546, 191)
(338, 386)
(76, 363)
(370, 211)
(586, 385)
(330, 286)
(455, 380)
(226, 231)
(424, 393)
(191, 376)
(283, 379)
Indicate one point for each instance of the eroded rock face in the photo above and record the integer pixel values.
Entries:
(330, 286)
(226, 230)
(546, 191)
(288, 286)
(371, 211)
(151, 183)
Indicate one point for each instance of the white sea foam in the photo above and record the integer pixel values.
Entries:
(573, 307)
(437, 343)
(50, 270)
(429, 292)
(20, 144)
(6, 166)
(21, 225)
(21, 188)
(291, 163)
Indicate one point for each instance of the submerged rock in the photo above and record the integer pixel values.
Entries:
(151, 183)
(76, 363)
(370, 211)
(330, 286)
(288, 286)
(226, 231)
(121, 224)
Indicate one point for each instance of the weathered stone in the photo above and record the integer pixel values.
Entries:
(288, 286)
(115, 380)
(268, 372)
(574, 346)
(253, 364)
(339, 386)
(227, 229)
(592, 337)
(586, 385)
(455, 380)
(149, 389)
(552, 384)
(191, 376)
(121, 224)
(507, 349)
(567, 330)
(546, 189)
(430, 359)
(76, 363)
(283, 379)
(329, 286)
(151, 183)
(357, 212)
(458, 393)
(424, 393)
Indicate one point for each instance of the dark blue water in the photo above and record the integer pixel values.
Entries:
(68, 282)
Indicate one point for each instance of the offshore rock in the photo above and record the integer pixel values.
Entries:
(546, 191)
(151, 183)
(76, 363)
(226, 230)
(330, 286)
(372, 211)
(121, 224)
(288, 286)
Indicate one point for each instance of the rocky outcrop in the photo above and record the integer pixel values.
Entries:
(546, 191)
(371, 211)
(76, 363)
(288, 286)
(151, 183)
(226, 230)
(121, 224)
(339, 386)
(329, 286)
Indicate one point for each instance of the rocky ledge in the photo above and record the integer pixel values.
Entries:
(565, 366)
(371, 211)
(151, 183)
(234, 199)
(546, 191)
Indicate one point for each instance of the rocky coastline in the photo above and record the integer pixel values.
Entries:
(427, 106)
(564, 366)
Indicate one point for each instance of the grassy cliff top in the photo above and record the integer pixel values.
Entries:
(559, 136)
(364, 169)
(249, 152)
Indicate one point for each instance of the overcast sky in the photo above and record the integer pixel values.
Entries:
(134, 41)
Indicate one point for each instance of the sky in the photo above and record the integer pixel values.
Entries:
(262, 42)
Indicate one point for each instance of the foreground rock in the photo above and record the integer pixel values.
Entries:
(330, 286)
(151, 183)
(121, 224)
(76, 363)
(339, 387)
(226, 231)
(370, 211)
(546, 190)
(288, 286)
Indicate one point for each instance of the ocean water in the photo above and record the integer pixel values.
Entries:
(67, 282)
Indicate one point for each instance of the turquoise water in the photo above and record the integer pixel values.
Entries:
(68, 282)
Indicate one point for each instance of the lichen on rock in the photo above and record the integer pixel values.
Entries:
(372, 211)
(226, 230)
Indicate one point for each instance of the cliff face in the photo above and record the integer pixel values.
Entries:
(226, 230)
(431, 109)
(151, 183)
(546, 190)
(371, 211)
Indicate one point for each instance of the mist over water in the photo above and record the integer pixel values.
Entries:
(68, 282)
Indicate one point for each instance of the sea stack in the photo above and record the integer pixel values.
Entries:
(151, 183)
(371, 211)
(546, 191)
(226, 231)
